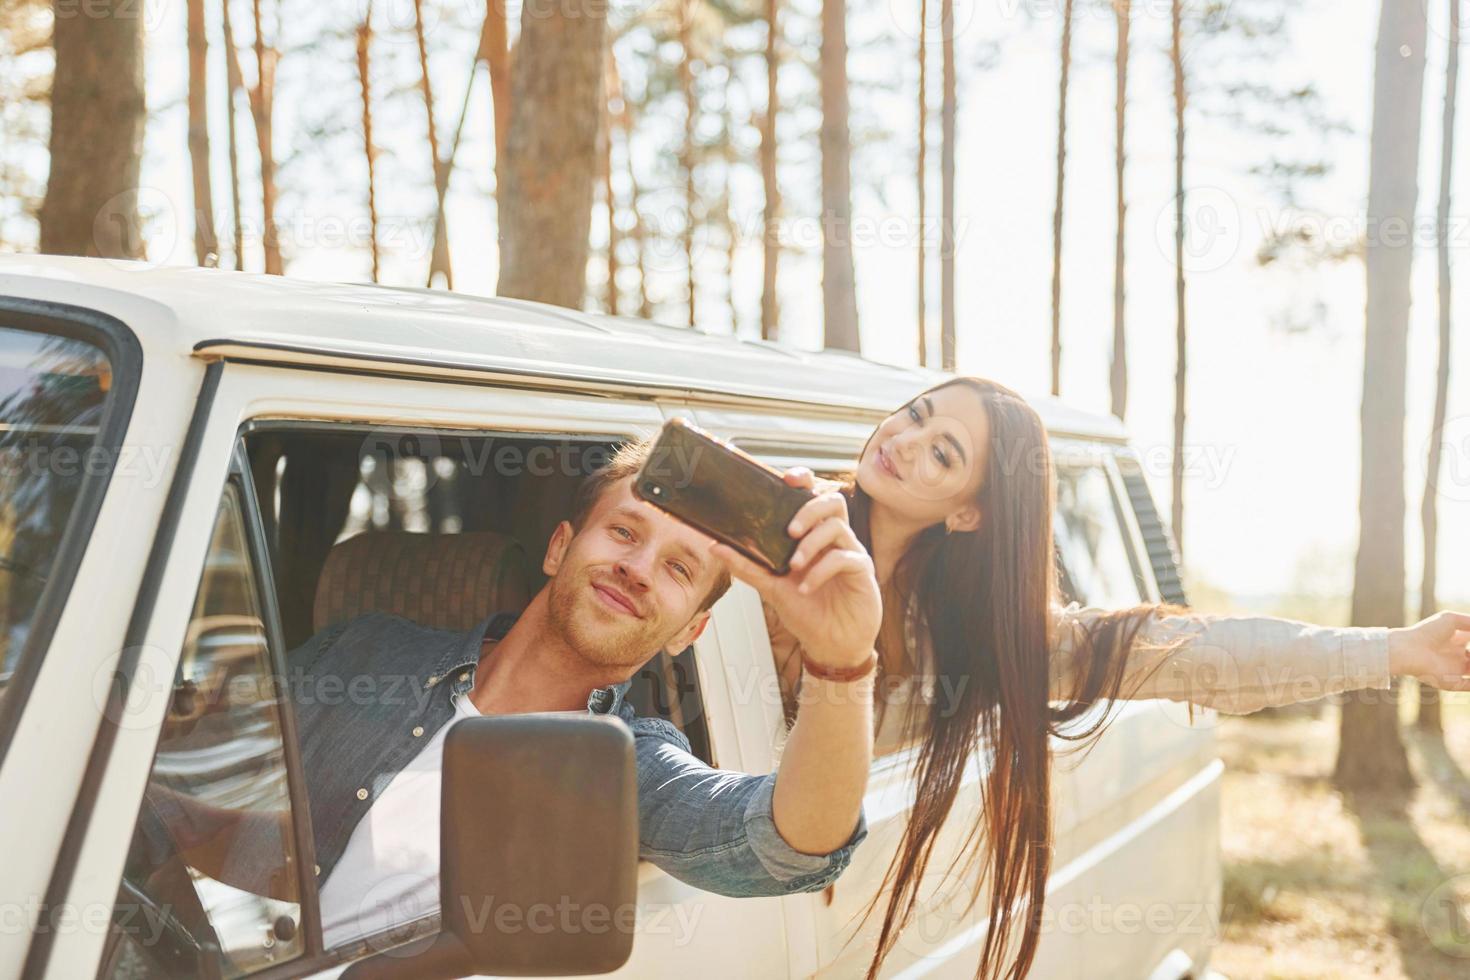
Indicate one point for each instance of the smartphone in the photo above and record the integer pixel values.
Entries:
(728, 494)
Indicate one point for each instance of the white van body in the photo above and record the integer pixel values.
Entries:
(1135, 884)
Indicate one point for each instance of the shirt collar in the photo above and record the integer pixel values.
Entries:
(460, 660)
(464, 652)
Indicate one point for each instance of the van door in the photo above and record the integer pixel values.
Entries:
(403, 445)
(1136, 874)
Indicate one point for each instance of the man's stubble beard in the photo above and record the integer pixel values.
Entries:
(603, 646)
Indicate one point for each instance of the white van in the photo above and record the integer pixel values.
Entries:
(202, 468)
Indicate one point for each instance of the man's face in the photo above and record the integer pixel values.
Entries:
(629, 583)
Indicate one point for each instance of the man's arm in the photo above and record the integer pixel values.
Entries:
(714, 829)
(831, 603)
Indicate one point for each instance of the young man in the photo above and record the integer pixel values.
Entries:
(626, 581)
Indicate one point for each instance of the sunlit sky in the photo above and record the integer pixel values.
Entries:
(1271, 501)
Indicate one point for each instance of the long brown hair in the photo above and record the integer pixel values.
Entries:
(985, 600)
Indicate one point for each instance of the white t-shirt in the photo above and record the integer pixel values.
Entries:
(389, 872)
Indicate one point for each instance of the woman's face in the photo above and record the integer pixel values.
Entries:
(925, 462)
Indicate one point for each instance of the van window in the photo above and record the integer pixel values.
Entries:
(210, 884)
(54, 392)
(436, 526)
(1098, 564)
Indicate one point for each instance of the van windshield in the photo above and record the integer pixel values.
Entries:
(53, 391)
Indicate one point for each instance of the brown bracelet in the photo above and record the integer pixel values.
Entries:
(840, 675)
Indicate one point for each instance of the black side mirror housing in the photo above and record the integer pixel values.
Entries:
(538, 852)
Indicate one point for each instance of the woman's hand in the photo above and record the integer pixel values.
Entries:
(1434, 651)
(830, 599)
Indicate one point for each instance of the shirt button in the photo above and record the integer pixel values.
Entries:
(362, 794)
(418, 731)
(431, 682)
(317, 868)
(464, 676)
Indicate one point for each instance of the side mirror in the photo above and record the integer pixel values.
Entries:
(538, 852)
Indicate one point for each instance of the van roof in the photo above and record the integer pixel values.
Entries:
(277, 319)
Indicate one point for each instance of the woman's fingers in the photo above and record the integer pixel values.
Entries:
(800, 476)
(819, 508)
(826, 534)
(835, 561)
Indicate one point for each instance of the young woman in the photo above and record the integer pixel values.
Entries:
(953, 499)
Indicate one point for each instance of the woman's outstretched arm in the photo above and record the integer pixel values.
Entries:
(1240, 664)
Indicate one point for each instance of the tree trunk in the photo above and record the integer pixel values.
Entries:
(551, 152)
(442, 190)
(687, 153)
(206, 246)
(262, 102)
(1370, 753)
(919, 183)
(364, 77)
(1056, 217)
(1429, 714)
(770, 231)
(495, 52)
(235, 84)
(439, 264)
(613, 99)
(1119, 373)
(635, 204)
(97, 116)
(727, 216)
(947, 193)
(732, 245)
(1181, 360)
(839, 280)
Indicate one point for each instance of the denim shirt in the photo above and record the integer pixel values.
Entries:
(370, 692)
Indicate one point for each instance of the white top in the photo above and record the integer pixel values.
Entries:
(389, 872)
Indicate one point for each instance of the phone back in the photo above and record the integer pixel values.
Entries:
(723, 492)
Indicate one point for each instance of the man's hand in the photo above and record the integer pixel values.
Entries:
(1434, 651)
(830, 599)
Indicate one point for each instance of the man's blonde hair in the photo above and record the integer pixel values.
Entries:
(626, 463)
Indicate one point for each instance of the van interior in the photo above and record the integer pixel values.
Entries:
(443, 528)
